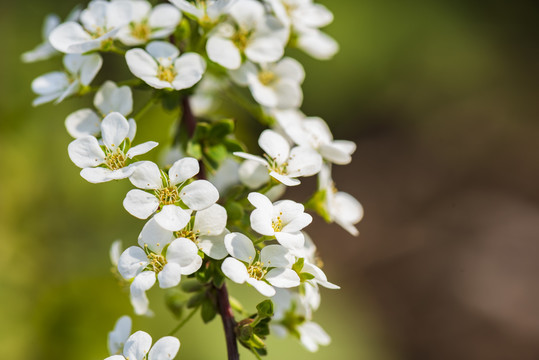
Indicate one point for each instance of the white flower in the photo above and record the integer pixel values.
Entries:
(57, 85)
(137, 347)
(115, 251)
(110, 161)
(109, 98)
(205, 11)
(305, 19)
(312, 336)
(207, 232)
(253, 174)
(261, 37)
(275, 85)
(160, 257)
(263, 270)
(45, 50)
(162, 67)
(101, 20)
(169, 193)
(342, 207)
(119, 335)
(315, 133)
(285, 164)
(147, 23)
(283, 219)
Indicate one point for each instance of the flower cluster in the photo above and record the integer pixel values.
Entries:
(213, 210)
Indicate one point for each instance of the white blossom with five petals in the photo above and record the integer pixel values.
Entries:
(137, 347)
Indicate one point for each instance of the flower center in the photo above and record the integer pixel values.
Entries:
(188, 234)
(166, 73)
(98, 32)
(141, 31)
(256, 270)
(277, 224)
(266, 77)
(157, 262)
(168, 195)
(240, 39)
(279, 169)
(115, 159)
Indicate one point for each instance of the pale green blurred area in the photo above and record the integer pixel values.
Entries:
(58, 298)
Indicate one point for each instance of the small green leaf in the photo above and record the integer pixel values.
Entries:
(201, 131)
(196, 299)
(208, 310)
(265, 308)
(298, 265)
(221, 128)
(305, 276)
(191, 285)
(194, 149)
(233, 145)
(175, 301)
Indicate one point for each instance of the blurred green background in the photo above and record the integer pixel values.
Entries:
(441, 97)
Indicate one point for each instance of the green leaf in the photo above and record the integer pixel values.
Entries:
(265, 308)
(216, 154)
(208, 310)
(233, 145)
(191, 285)
(221, 128)
(201, 131)
(194, 149)
(298, 265)
(218, 279)
(196, 299)
(305, 276)
(175, 301)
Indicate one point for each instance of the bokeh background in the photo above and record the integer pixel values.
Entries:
(442, 99)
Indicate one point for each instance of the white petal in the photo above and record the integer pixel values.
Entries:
(140, 63)
(111, 98)
(247, 13)
(90, 67)
(189, 68)
(264, 49)
(146, 176)
(140, 204)
(114, 130)
(262, 287)
(100, 175)
(253, 174)
(240, 247)
(284, 179)
(154, 236)
(86, 152)
(184, 252)
(162, 50)
(118, 336)
(68, 34)
(223, 52)
(243, 73)
(318, 44)
(165, 348)
(183, 169)
(234, 270)
(141, 149)
(188, 8)
(83, 122)
(289, 68)
(173, 217)
(132, 261)
(304, 162)
(142, 282)
(170, 275)
(335, 154)
(275, 256)
(312, 335)
(274, 145)
(263, 94)
(210, 221)
(213, 246)
(50, 83)
(290, 240)
(132, 129)
(199, 195)
(164, 16)
(137, 345)
(289, 94)
(261, 222)
(283, 278)
(247, 156)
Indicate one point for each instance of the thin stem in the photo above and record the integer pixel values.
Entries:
(255, 353)
(184, 321)
(229, 324)
(223, 303)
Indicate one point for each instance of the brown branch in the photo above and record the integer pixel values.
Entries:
(223, 304)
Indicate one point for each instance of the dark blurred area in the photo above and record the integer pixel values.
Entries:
(442, 100)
